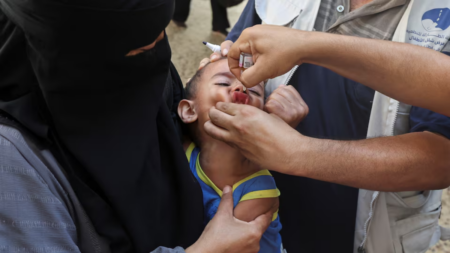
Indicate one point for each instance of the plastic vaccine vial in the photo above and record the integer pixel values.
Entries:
(245, 61)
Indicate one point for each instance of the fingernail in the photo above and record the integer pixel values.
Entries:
(227, 189)
(225, 52)
(213, 57)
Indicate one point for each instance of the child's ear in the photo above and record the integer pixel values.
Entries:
(186, 111)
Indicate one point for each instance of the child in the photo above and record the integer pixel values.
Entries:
(218, 164)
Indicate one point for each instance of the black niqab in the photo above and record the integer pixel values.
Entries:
(64, 76)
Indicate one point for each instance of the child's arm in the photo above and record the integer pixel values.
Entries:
(249, 210)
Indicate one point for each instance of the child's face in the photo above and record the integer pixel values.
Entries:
(218, 84)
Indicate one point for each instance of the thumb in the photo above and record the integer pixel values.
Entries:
(262, 222)
(226, 204)
(257, 73)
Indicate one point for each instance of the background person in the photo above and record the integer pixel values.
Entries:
(220, 22)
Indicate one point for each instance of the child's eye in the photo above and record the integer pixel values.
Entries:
(255, 92)
(223, 84)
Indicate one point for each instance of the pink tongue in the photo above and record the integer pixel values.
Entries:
(240, 98)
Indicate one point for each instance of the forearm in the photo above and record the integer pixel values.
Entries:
(408, 73)
(416, 161)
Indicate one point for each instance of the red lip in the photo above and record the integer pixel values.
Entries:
(240, 98)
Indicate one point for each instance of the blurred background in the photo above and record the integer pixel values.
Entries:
(188, 51)
(186, 43)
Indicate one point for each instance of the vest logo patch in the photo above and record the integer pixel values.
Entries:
(436, 19)
(429, 24)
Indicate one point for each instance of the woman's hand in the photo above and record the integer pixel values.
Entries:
(275, 51)
(226, 234)
(286, 103)
(146, 48)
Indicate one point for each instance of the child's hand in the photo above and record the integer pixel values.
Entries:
(226, 234)
(286, 103)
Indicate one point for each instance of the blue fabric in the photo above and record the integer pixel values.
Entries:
(320, 216)
(425, 120)
(421, 119)
(271, 239)
(168, 250)
(248, 18)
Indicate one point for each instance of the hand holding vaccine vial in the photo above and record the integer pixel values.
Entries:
(245, 62)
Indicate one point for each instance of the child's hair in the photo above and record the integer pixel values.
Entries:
(191, 86)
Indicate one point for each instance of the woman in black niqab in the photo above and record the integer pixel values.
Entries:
(64, 76)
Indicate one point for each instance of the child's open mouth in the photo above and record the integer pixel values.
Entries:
(240, 98)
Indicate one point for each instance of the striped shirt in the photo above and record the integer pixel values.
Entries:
(375, 20)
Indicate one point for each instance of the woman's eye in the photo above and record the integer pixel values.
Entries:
(255, 92)
(223, 84)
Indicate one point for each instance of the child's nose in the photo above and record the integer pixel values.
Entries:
(238, 88)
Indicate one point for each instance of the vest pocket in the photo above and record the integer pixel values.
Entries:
(419, 241)
(417, 233)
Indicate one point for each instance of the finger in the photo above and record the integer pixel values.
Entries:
(294, 94)
(148, 47)
(241, 45)
(160, 37)
(217, 132)
(263, 221)
(228, 108)
(281, 86)
(220, 118)
(233, 61)
(215, 57)
(226, 203)
(304, 109)
(225, 47)
(235, 52)
(243, 48)
(282, 95)
(273, 105)
(257, 73)
(203, 63)
(233, 64)
(277, 98)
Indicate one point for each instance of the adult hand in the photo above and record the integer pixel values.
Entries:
(275, 51)
(226, 234)
(224, 48)
(146, 48)
(286, 103)
(263, 138)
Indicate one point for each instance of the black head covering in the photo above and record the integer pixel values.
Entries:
(64, 76)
